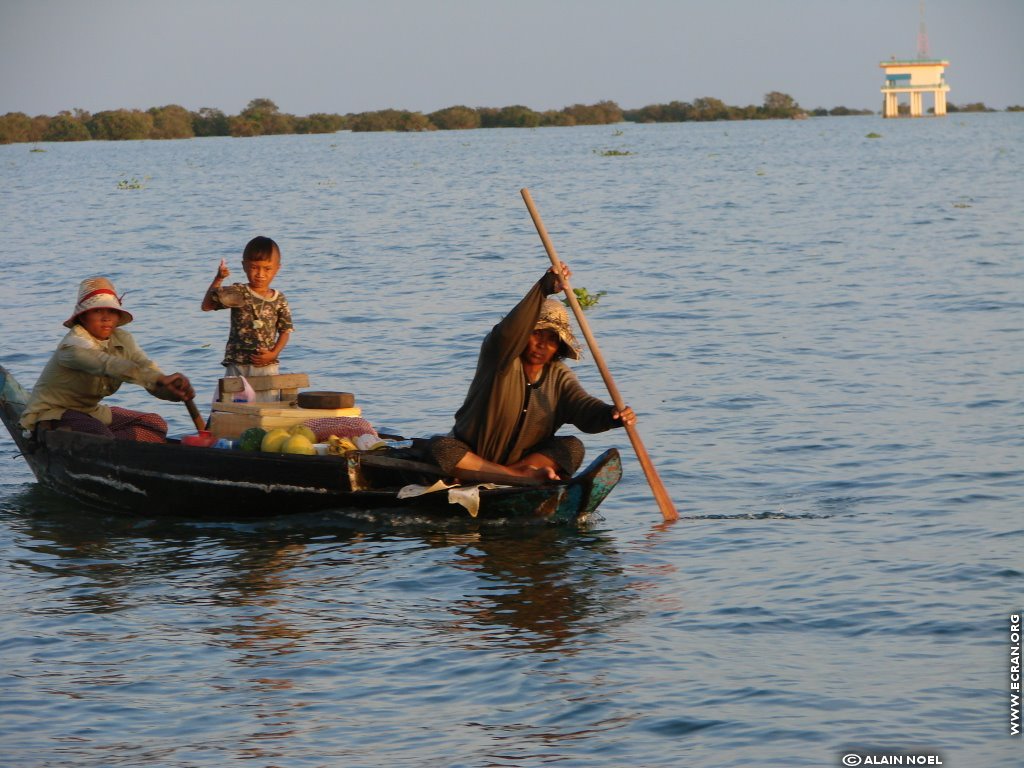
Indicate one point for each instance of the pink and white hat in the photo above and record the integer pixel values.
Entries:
(97, 293)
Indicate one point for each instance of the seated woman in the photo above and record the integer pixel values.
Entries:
(91, 362)
(522, 393)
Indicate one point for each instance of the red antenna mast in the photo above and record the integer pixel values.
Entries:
(922, 37)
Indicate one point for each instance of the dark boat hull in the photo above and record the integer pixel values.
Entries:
(214, 484)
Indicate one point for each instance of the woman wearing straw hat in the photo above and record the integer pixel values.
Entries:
(522, 393)
(92, 361)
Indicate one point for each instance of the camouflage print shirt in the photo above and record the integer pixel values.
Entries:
(257, 323)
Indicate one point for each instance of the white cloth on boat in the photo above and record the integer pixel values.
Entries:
(467, 496)
(412, 490)
(369, 442)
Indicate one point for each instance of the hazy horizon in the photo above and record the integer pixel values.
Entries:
(351, 56)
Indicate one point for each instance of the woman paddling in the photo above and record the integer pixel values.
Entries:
(522, 393)
(91, 362)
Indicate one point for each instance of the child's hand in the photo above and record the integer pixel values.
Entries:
(262, 357)
(222, 271)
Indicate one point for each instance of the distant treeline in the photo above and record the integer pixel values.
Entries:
(262, 117)
(978, 106)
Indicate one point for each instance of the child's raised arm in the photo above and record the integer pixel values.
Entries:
(222, 273)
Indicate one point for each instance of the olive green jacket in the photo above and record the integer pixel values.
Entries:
(488, 418)
(83, 371)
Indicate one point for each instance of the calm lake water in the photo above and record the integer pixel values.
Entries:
(822, 332)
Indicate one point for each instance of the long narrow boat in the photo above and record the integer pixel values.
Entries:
(171, 479)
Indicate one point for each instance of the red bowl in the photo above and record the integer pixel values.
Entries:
(202, 439)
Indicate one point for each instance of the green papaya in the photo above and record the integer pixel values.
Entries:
(252, 439)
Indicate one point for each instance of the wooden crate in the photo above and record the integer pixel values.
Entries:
(230, 420)
(289, 385)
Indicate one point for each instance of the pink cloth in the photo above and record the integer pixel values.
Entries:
(340, 426)
(124, 425)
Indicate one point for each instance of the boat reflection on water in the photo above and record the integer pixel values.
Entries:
(540, 590)
(293, 631)
(536, 586)
(121, 563)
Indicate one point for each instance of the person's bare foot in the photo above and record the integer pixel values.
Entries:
(529, 470)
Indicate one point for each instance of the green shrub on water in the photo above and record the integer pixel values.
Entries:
(585, 298)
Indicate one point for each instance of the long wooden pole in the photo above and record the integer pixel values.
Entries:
(668, 510)
(193, 411)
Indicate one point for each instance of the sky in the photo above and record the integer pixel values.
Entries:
(345, 56)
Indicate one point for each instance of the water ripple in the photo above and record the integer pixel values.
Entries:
(830, 391)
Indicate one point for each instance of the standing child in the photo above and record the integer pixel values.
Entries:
(261, 321)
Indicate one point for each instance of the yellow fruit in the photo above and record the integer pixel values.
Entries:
(340, 445)
(302, 429)
(298, 444)
(274, 439)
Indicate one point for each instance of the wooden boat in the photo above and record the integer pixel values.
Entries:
(176, 480)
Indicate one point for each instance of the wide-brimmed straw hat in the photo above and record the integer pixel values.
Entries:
(555, 316)
(97, 293)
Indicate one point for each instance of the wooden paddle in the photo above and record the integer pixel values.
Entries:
(668, 510)
(193, 411)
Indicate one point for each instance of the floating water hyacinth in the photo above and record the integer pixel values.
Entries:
(585, 298)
